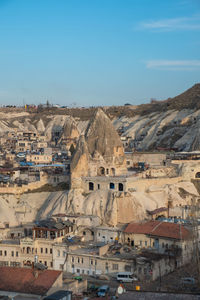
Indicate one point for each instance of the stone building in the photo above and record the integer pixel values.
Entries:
(39, 158)
(99, 152)
(24, 283)
(21, 253)
(50, 229)
(168, 238)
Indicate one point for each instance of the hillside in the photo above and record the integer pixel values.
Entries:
(172, 123)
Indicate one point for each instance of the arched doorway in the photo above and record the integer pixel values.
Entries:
(120, 187)
(112, 186)
(101, 171)
(197, 175)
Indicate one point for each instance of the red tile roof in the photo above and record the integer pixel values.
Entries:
(23, 280)
(158, 228)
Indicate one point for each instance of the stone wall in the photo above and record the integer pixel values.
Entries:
(144, 184)
(131, 183)
(149, 158)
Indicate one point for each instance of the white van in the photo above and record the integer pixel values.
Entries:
(126, 277)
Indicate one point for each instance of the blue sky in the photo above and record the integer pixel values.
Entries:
(97, 52)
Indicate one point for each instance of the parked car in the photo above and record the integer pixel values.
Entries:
(188, 281)
(103, 291)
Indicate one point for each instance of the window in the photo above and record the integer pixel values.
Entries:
(45, 263)
(64, 253)
(50, 250)
(16, 253)
(0, 252)
(12, 253)
(14, 264)
(41, 250)
(112, 186)
(121, 187)
(78, 260)
(3, 263)
(98, 186)
(163, 245)
(115, 267)
(82, 260)
(51, 264)
(82, 271)
(78, 270)
(46, 250)
(140, 243)
(58, 253)
(127, 268)
(84, 233)
(91, 186)
(5, 253)
(91, 262)
(72, 259)
(145, 243)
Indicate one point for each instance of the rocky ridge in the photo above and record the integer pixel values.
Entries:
(174, 127)
(173, 123)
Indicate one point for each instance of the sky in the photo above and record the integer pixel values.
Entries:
(97, 52)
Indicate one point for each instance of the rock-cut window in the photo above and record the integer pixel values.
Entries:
(91, 186)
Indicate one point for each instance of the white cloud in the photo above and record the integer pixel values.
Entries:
(173, 64)
(174, 24)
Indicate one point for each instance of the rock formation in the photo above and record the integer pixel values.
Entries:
(100, 152)
(111, 207)
(70, 129)
(102, 137)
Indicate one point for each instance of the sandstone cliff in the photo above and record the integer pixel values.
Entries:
(102, 137)
(110, 207)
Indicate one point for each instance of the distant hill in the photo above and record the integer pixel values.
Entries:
(189, 99)
(171, 124)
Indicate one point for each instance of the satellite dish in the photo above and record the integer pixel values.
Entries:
(120, 290)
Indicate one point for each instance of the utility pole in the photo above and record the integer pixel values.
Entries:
(159, 277)
(195, 233)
